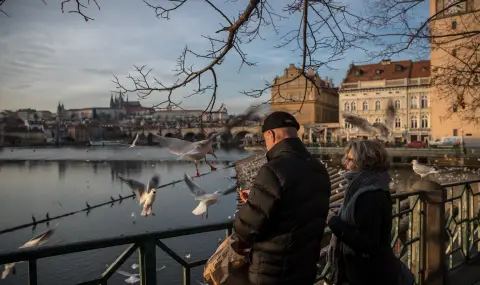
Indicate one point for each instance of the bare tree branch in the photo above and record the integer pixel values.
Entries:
(79, 6)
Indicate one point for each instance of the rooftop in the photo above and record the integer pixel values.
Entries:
(388, 70)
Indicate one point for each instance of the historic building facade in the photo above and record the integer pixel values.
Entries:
(310, 104)
(453, 57)
(366, 90)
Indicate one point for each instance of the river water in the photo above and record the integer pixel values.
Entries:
(37, 181)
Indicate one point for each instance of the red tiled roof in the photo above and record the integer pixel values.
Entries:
(393, 70)
(420, 69)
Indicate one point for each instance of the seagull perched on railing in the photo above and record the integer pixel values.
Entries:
(377, 128)
(201, 195)
(35, 241)
(145, 193)
(422, 170)
(198, 150)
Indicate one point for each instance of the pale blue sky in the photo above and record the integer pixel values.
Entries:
(47, 56)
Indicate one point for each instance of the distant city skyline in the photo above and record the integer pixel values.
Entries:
(50, 57)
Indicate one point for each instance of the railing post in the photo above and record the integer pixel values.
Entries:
(433, 236)
(466, 214)
(32, 272)
(147, 261)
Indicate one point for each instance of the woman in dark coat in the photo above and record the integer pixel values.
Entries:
(360, 251)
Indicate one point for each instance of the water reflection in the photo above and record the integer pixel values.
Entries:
(38, 187)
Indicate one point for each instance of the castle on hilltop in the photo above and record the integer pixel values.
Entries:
(118, 102)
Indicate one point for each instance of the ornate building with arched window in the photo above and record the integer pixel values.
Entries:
(319, 105)
(405, 82)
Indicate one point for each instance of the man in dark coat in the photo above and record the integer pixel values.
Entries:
(283, 219)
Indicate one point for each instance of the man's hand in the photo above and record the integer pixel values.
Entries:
(244, 195)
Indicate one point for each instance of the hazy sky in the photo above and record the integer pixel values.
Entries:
(47, 56)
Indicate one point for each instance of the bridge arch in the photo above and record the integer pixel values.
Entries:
(169, 135)
(189, 137)
(226, 137)
(200, 136)
(240, 136)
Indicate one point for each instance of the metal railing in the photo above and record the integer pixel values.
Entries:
(435, 230)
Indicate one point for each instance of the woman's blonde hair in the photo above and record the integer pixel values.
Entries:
(368, 154)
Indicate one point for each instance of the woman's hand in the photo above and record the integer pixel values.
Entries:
(244, 195)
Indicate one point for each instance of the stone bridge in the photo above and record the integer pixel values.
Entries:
(196, 134)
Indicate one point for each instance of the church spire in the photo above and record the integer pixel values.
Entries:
(112, 104)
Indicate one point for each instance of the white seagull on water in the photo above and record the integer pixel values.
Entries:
(145, 193)
(422, 170)
(201, 195)
(134, 141)
(35, 241)
(132, 277)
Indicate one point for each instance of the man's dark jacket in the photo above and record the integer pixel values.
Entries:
(284, 217)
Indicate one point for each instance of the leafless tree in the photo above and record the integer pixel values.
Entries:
(326, 30)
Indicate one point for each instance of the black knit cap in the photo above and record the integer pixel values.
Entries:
(279, 119)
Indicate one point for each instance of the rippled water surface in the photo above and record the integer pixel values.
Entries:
(34, 182)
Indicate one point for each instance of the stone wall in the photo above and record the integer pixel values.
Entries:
(24, 138)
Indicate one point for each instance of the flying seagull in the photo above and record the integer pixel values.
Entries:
(35, 241)
(145, 193)
(377, 128)
(199, 150)
(422, 170)
(201, 195)
(192, 150)
(134, 141)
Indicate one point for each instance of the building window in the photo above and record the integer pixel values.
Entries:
(347, 106)
(413, 102)
(454, 25)
(377, 106)
(424, 101)
(424, 121)
(455, 132)
(397, 104)
(398, 123)
(454, 81)
(365, 106)
(353, 106)
(347, 125)
(414, 122)
(378, 120)
(454, 52)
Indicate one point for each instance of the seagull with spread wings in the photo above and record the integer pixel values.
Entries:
(35, 241)
(199, 150)
(206, 199)
(146, 194)
(377, 128)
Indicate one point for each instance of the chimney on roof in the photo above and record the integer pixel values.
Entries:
(291, 65)
(386, 61)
